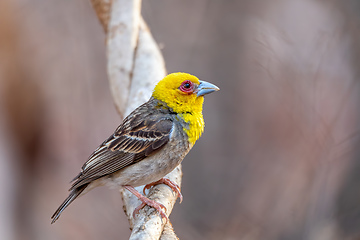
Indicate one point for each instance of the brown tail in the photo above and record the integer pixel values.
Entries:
(72, 196)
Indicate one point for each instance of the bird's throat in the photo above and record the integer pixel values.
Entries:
(195, 127)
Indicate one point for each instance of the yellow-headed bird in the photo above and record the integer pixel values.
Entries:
(150, 142)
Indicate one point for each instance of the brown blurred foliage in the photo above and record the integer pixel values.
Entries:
(279, 158)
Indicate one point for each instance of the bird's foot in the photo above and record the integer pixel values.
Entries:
(145, 201)
(151, 203)
(168, 182)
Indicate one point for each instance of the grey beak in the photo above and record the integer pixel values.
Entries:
(206, 88)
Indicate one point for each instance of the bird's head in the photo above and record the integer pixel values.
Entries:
(183, 92)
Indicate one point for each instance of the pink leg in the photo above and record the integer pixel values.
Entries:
(168, 182)
(145, 201)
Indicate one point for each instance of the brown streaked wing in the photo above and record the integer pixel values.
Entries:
(125, 147)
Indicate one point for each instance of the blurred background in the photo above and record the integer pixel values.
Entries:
(279, 159)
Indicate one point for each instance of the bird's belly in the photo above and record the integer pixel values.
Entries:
(144, 172)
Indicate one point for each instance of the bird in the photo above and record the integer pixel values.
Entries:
(149, 143)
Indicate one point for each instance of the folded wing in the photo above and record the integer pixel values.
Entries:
(133, 141)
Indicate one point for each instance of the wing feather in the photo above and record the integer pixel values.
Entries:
(134, 140)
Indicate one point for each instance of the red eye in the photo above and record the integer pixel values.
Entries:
(187, 86)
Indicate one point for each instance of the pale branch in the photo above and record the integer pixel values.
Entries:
(122, 39)
(135, 65)
(148, 69)
(168, 233)
(148, 223)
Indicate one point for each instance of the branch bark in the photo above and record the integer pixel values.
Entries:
(135, 65)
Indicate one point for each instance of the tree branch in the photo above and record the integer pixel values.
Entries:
(135, 65)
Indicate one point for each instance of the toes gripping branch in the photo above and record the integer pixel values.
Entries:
(146, 201)
(168, 182)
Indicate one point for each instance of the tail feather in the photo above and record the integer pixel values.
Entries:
(72, 196)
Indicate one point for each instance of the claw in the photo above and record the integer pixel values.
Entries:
(168, 182)
(145, 201)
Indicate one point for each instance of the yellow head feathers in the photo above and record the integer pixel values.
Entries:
(169, 91)
(183, 93)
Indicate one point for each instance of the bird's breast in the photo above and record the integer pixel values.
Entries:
(194, 127)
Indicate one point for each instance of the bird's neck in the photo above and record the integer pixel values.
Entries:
(190, 112)
(195, 126)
